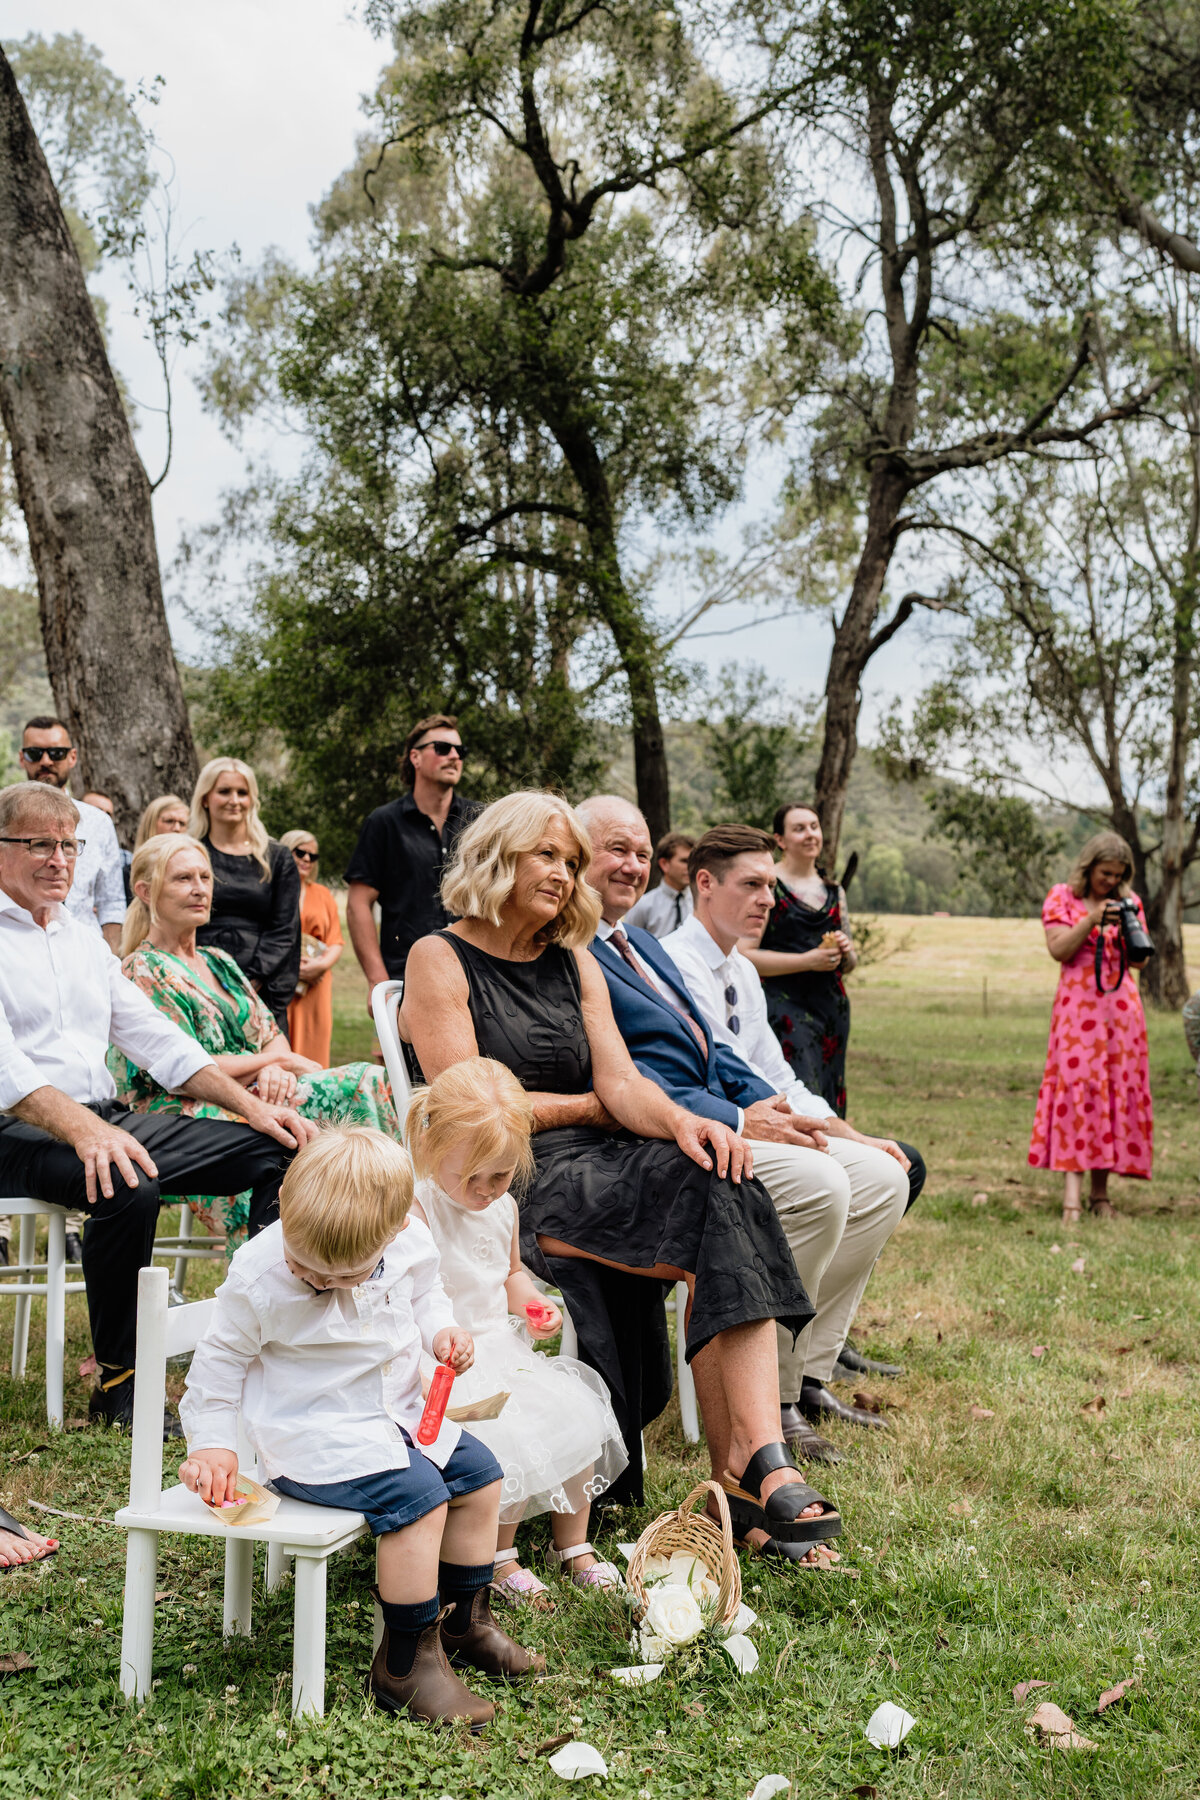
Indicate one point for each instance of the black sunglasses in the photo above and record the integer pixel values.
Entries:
(442, 747)
(307, 855)
(731, 995)
(35, 752)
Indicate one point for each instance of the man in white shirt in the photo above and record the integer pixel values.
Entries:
(63, 1137)
(666, 907)
(839, 1195)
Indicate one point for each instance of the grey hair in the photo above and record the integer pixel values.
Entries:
(35, 797)
(603, 806)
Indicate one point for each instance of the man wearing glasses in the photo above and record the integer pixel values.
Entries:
(63, 1137)
(402, 850)
(98, 891)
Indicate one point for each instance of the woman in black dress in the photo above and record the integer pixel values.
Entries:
(256, 890)
(625, 1178)
(804, 952)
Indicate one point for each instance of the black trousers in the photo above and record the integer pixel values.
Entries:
(193, 1156)
(916, 1175)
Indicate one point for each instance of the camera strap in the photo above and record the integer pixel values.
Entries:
(1123, 961)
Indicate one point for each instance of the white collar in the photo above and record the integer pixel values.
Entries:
(57, 918)
(701, 937)
(604, 930)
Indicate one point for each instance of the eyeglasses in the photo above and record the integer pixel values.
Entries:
(33, 753)
(42, 849)
(443, 747)
(731, 999)
(306, 855)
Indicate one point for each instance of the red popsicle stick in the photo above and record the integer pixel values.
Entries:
(436, 1404)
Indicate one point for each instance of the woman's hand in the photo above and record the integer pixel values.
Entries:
(732, 1154)
(826, 956)
(312, 967)
(455, 1346)
(276, 1085)
(212, 1474)
(844, 944)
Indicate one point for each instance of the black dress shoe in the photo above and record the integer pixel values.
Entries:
(817, 1403)
(804, 1443)
(115, 1407)
(74, 1247)
(851, 1363)
(3, 1252)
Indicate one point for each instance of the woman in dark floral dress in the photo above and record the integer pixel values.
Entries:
(805, 951)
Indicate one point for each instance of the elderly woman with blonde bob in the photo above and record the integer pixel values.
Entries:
(203, 991)
(629, 1190)
(256, 890)
(1094, 1109)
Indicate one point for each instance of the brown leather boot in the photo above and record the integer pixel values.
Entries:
(485, 1647)
(431, 1690)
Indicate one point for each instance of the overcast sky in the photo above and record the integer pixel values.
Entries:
(260, 110)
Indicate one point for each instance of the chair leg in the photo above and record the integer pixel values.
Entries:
(137, 1628)
(26, 1257)
(308, 1646)
(239, 1585)
(56, 1313)
(179, 1276)
(688, 1413)
(277, 1566)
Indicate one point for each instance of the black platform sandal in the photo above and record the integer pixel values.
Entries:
(778, 1514)
(8, 1523)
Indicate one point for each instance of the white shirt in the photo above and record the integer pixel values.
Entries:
(63, 1001)
(324, 1381)
(97, 895)
(708, 971)
(662, 910)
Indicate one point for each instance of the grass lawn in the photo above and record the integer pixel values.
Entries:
(1044, 1541)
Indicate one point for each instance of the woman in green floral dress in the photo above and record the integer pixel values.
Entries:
(205, 993)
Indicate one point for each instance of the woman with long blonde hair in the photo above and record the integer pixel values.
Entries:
(256, 890)
(166, 812)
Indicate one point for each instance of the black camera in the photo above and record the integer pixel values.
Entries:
(1133, 944)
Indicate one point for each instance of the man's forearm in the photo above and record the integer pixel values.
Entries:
(54, 1112)
(363, 935)
(211, 1085)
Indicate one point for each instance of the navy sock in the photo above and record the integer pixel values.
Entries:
(458, 1584)
(404, 1626)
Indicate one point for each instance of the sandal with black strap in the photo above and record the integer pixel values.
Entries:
(779, 1514)
(8, 1523)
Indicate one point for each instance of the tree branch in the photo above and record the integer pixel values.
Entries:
(904, 613)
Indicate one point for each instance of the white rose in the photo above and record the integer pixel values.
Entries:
(674, 1613)
(653, 1649)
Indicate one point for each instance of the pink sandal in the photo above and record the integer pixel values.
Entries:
(599, 1575)
(522, 1588)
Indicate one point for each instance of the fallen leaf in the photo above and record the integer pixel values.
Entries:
(1124, 1350)
(1078, 1266)
(1054, 1728)
(1125, 1394)
(870, 1403)
(14, 1662)
(1095, 1406)
(962, 1509)
(1056, 1250)
(1038, 1350)
(942, 1639)
(1111, 1695)
(695, 1709)
(888, 1726)
(163, 1596)
(1136, 1318)
(982, 1412)
(864, 1791)
(979, 1199)
(554, 1743)
(1023, 1689)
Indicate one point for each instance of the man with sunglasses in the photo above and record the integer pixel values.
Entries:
(402, 850)
(97, 894)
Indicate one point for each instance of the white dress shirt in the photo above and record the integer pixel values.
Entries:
(325, 1380)
(708, 971)
(662, 910)
(97, 895)
(63, 1001)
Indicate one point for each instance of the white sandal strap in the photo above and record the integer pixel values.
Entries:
(565, 1556)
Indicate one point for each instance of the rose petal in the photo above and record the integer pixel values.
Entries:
(627, 1550)
(1078, 1266)
(1038, 1350)
(741, 1652)
(638, 1675)
(888, 1726)
(769, 1786)
(982, 1412)
(742, 1620)
(576, 1759)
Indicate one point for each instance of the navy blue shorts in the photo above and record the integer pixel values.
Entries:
(397, 1497)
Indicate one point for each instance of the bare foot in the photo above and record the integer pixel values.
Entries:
(1103, 1208)
(15, 1550)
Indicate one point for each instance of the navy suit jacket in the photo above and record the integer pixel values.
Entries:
(663, 1045)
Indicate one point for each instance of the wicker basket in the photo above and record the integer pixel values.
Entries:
(692, 1530)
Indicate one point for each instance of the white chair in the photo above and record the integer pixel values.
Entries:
(27, 1279)
(309, 1534)
(185, 1247)
(385, 1006)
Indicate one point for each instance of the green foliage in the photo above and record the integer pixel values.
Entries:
(1008, 849)
(754, 746)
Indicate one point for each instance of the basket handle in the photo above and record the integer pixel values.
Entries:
(701, 1493)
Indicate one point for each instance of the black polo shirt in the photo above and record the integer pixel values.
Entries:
(401, 853)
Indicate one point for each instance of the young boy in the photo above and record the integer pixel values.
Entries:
(319, 1328)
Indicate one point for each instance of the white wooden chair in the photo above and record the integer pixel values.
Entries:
(309, 1534)
(26, 1279)
(385, 1004)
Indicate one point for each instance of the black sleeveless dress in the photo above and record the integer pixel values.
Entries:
(809, 1012)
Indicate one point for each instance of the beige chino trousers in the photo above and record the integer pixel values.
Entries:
(838, 1208)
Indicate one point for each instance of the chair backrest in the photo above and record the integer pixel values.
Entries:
(162, 1331)
(385, 1005)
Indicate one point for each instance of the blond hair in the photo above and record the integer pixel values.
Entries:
(1105, 846)
(481, 877)
(292, 840)
(345, 1196)
(152, 812)
(150, 863)
(479, 1102)
(198, 820)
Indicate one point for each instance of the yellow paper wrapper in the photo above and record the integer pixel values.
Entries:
(255, 1507)
(474, 1410)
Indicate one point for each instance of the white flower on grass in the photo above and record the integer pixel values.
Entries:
(673, 1613)
(653, 1649)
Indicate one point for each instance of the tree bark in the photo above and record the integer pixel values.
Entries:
(84, 495)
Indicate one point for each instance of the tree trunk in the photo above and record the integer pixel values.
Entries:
(1165, 980)
(85, 497)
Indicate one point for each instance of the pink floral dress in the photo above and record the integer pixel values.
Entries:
(1093, 1110)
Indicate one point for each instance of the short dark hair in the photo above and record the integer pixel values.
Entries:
(45, 722)
(672, 841)
(718, 848)
(781, 813)
(447, 721)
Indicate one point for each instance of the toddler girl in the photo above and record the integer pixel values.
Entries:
(556, 1438)
(317, 1342)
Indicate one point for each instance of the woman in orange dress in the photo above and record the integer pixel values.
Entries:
(310, 1015)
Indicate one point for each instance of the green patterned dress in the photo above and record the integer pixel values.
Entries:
(229, 1019)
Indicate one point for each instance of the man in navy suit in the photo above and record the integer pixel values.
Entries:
(840, 1195)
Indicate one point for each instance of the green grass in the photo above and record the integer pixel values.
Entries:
(1045, 1542)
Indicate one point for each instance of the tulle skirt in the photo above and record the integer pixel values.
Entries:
(557, 1438)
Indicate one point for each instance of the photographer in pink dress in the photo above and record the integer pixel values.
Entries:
(1094, 1110)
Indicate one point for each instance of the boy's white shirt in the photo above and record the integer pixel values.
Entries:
(325, 1380)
